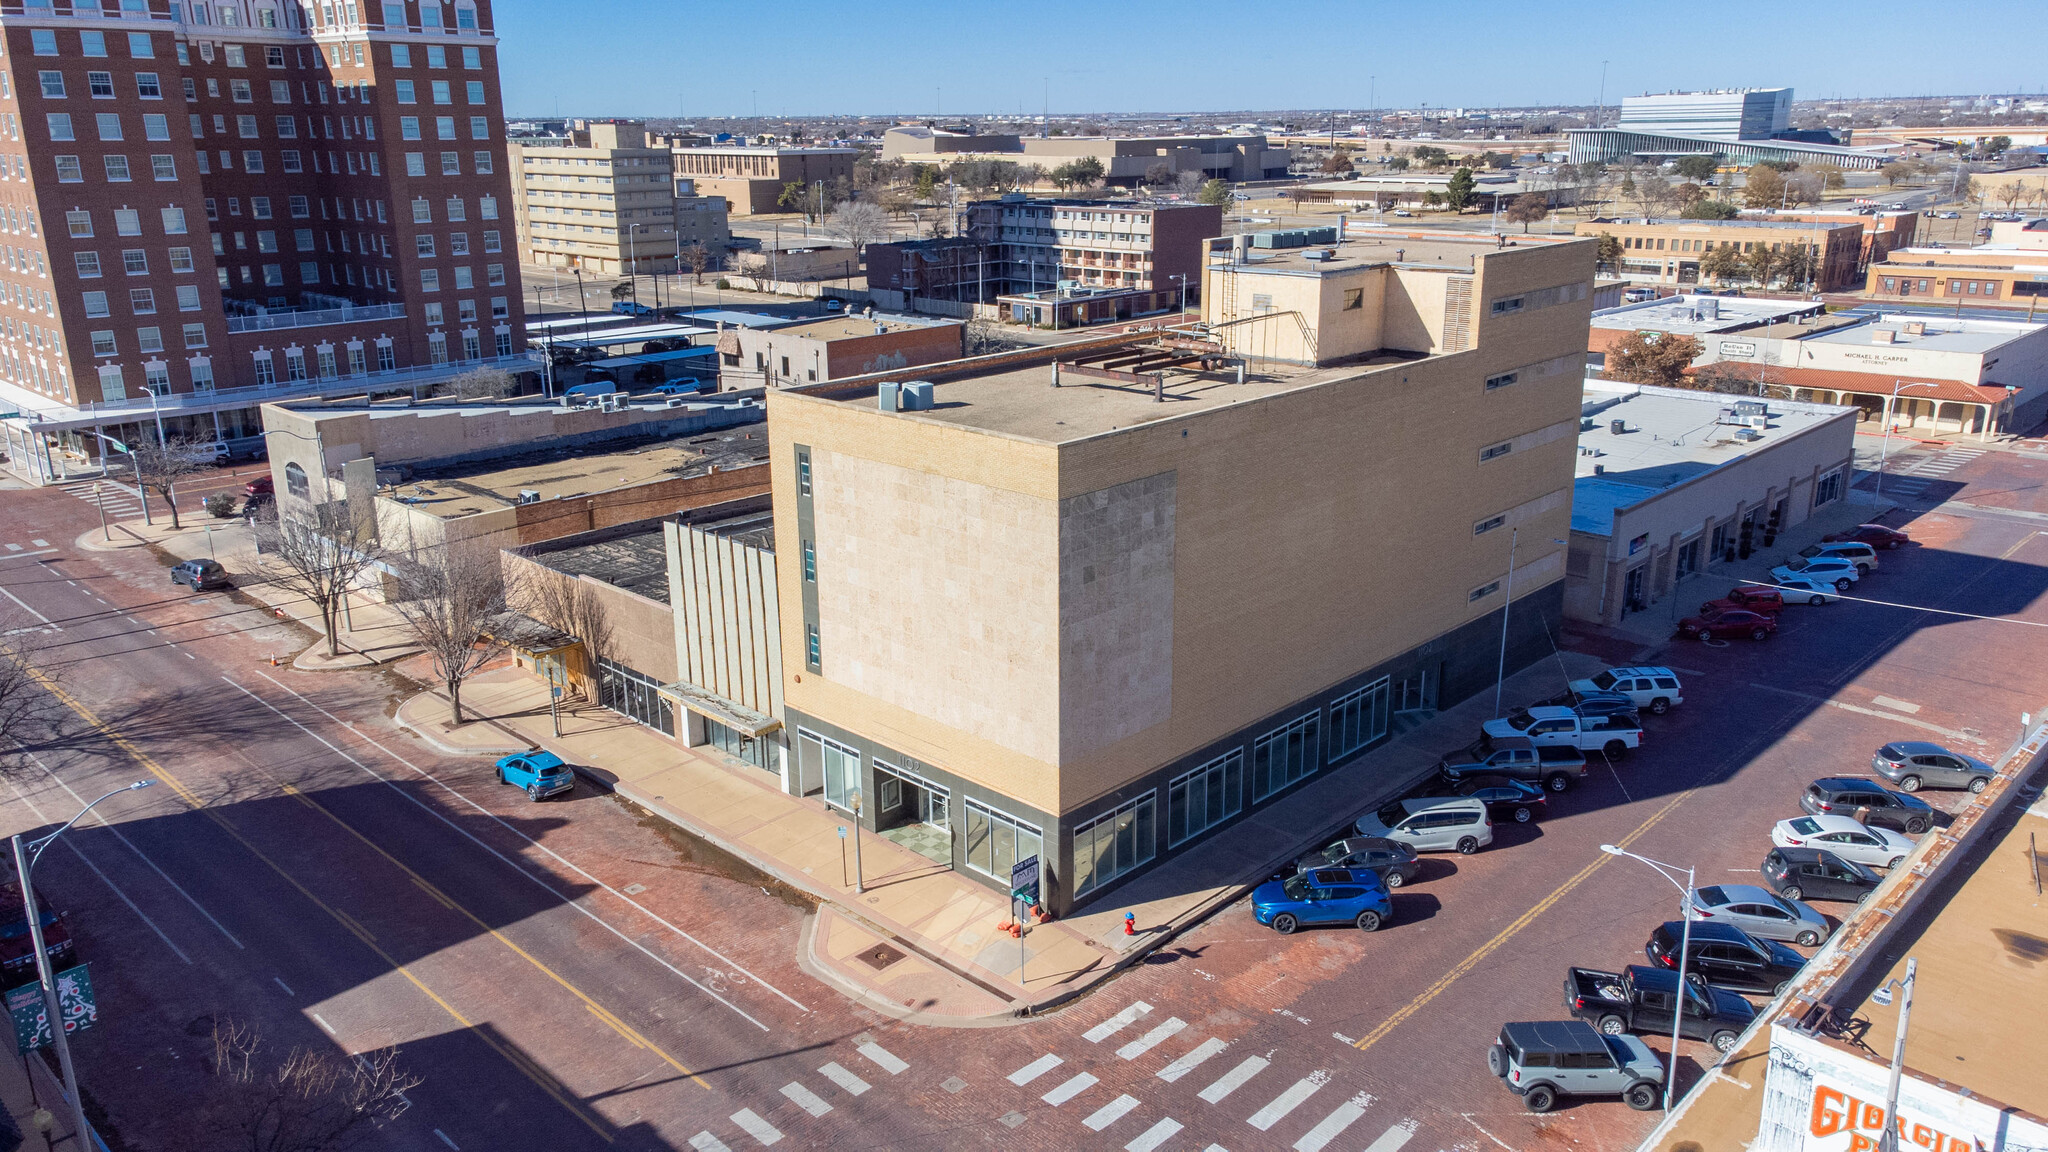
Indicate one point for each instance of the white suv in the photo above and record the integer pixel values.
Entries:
(1656, 689)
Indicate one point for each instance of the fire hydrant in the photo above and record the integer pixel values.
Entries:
(1130, 924)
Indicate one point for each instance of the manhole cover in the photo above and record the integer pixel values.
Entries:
(881, 956)
(953, 1084)
(1010, 1119)
(634, 889)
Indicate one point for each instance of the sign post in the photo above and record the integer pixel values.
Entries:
(1024, 891)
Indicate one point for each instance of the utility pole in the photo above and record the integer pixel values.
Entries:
(1600, 108)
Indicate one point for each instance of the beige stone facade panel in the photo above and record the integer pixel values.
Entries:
(1115, 613)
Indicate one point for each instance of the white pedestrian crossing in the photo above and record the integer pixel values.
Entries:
(1035, 1069)
(848, 1083)
(1234, 1079)
(1192, 1060)
(1154, 1136)
(1111, 1026)
(1067, 1091)
(761, 1130)
(1392, 1139)
(706, 1142)
(1289, 1100)
(883, 1058)
(1110, 1113)
(805, 1099)
(1150, 1040)
(1333, 1125)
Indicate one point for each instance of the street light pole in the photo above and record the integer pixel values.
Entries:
(1684, 950)
(1891, 1092)
(24, 866)
(1501, 675)
(1877, 490)
(859, 880)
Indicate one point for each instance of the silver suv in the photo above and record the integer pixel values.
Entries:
(1549, 1059)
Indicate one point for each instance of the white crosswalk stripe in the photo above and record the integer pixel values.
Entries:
(1234, 1079)
(1192, 1060)
(1035, 1069)
(1154, 1136)
(883, 1058)
(1152, 1039)
(1392, 1139)
(1289, 1100)
(1111, 1026)
(754, 1126)
(1067, 1091)
(1333, 1125)
(1110, 1113)
(848, 1083)
(706, 1142)
(805, 1099)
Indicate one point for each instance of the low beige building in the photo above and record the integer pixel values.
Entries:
(800, 262)
(833, 348)
(603, 199)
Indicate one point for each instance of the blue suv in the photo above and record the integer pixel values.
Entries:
(1324, 896)
(541, 774)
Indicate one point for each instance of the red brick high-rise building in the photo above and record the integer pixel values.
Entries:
(206, 204)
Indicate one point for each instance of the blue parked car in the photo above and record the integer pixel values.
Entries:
(1324, 896)
(541, 774)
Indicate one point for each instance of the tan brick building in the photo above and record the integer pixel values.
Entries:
(1091, 611)
(1666, 251)
(602, 198)
(752, 177)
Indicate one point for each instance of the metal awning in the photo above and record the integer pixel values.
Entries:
(523, 633)
(737, 717)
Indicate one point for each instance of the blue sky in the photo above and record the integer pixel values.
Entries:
(802, 57)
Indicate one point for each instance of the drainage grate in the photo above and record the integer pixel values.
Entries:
(881, 956)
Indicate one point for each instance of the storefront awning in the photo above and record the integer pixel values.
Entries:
(737, 717)
(524, 634)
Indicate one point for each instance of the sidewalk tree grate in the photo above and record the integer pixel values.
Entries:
(1010, 1119)
(881, 956)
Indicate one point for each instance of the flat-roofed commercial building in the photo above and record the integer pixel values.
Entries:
(1722, 114)
(752, 177)
(1096, 600)
(2009, 275)
(1126, 160)
(1669, 251)
(1739, 125)
(833, 348)
(602, 198)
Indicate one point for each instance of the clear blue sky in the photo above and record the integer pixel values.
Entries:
(960, 57)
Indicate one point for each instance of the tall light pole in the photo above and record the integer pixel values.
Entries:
(1886, 451)
(1501, 675)
(1670, 872)
(1183, 278)
(24, 867)
(1891, 1093)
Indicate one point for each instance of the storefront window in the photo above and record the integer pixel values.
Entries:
(996, 840)
(636, 696)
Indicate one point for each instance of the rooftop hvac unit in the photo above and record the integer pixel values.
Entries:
(886, 394)
(529, 496)
(1759, 423)
(1618, 427)
(678, 402)
(1751, 408)
(917, 396)
(1748, 435)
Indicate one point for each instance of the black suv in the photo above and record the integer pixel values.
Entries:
(1817, 874)
(1393, 861)
(1843, 795)
(1724, 956)
(202, 575)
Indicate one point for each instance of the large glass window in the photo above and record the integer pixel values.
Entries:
(1199, 800)
(624, 690)
(839, 768)
(1358, 718)
(996, 840)
(1113, 844)
(1284, 755)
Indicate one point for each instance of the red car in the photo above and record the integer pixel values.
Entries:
(1733, 622)
(1749, 597)
(1875, 535)
(260, 486)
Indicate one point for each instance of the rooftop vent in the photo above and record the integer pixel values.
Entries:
(1748, 435)
(1618, 427)
(917, 396)
(1882, 336)
(1916, 328)
(529, 496)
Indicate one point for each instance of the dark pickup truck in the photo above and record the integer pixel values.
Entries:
(1639, 999)
(1556, 767)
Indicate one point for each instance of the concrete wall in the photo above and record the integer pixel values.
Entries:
(642, 630)
(813, 360)
(727, 623)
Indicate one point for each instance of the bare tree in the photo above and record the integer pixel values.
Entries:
(1188, 183)
(451, 601)
(320, 551)
(160, 464)
(29, 713)
(307, 1101)
(481, 383)
(981, 338)
(564, 603)
(696, 257)
(858, 222)
(1653, 195)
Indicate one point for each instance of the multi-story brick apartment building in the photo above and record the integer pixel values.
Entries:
(752, 177)
(601, 197)
(208, 196)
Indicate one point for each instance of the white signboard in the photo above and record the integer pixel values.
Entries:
(1742, 348)
(1821, 1098)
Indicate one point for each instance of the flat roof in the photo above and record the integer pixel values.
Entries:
(1701, 314)
(602, 337)
(1446, 250)
(848, 327)
(739, 319)
(1936, 333)
(465, 489)
(636, 561)
(1681, 222)
(1673, 435)
(754, 529)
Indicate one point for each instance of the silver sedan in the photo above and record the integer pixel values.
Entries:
(1759, 912)
(1872, 847)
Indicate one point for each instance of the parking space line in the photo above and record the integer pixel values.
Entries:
(1192, 1060)
(848, 1083)
(1110, 1113)
(1152, 1039)
(1895, 705)
(1035, 1069)
(1234, 1079)
(1860, 710)
(1277, 1109)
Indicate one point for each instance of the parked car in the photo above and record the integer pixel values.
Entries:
(1432, 824)
(1817, 874)
(1875, 535)
(631, 308)
(1760, 912)
(1613, 735)
(685, 387)
(1641, 999)
(201, 575)
(1587, 703)
(1555, 767)
(1948, 215)
(1732, 622)
(1544, 1061)
(1392, 862)
(1877, 847)
(1914, 764)
(1810, 589)
(1855, 551)
(1517, 800)
(540, 774)
(1654, 688)
(1749, 598)
(1841, 573)
(261, 486)
(1724, 956)
(1325, 896)
(1868, 802)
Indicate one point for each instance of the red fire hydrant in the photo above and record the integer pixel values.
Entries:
(1130, 924)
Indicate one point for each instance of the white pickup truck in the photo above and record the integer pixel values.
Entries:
(1555, 726)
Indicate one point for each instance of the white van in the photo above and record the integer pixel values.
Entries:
(1433, 824)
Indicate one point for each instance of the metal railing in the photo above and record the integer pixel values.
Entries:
(270, 321)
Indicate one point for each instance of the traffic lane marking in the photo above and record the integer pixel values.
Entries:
(104, 878)
(1860, 710)
(1895, 705)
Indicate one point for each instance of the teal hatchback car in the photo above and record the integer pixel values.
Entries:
(540, 774)
(1324, 896)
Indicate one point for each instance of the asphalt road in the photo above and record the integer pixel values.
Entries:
(565, 976)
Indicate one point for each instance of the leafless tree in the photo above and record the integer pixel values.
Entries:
(1654, 195)
(481, 383)
(305, 1101)
(319, 551)
(696, 257)
(982, 338)
(564, 603)
(858, 222)
(451, 602)
(1188, 183)
(160, 464)
(29, 713)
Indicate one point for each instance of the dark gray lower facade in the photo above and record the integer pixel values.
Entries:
(1096, 848)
